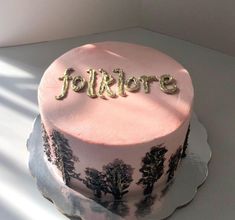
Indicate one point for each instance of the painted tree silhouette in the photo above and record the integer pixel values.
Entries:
(173, 164)
(152, 168)
(64, 159)
(118, 178)
(143, 208)
(118, 207)
(95, 180)
(46, 144)
(185, 145)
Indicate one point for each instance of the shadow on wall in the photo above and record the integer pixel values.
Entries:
(21, 69)
(20, 73)
(18, 89)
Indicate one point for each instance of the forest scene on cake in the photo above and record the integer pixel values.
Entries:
(144, 207)
(114, 179)
(64, 159)
(46, 144)
(152, 168)
(173, 164)
(185, 145)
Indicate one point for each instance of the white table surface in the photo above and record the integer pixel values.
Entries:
(213, 76)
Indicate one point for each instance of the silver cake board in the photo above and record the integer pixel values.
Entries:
(191, 174)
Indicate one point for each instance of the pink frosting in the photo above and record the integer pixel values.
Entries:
(137, 118)
(101, 130)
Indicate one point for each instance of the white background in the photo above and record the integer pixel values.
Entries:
(208, 23)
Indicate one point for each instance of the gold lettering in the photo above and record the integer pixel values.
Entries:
(65, 78)
(168, 84)
(78, 83)
(132, 84)
(121, 81)
(146, 80)
(106, 81)
(91, 83)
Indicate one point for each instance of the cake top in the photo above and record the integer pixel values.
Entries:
(115, 93)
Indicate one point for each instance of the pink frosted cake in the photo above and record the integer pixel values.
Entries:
(115, 118)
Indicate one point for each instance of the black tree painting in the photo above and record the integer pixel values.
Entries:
(152, 168)
(118, 178)
(64, 159)
(46, 144)
(185, 145)
(118, 207)
(173, 164)
(143, 208)
(114, 179)
(95, 180)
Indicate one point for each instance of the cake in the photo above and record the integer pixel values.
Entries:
(115, 119)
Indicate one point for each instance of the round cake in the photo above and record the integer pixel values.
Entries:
(115, 118)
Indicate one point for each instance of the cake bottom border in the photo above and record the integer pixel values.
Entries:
(191, 174)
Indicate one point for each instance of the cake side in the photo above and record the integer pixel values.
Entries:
(91, 169)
